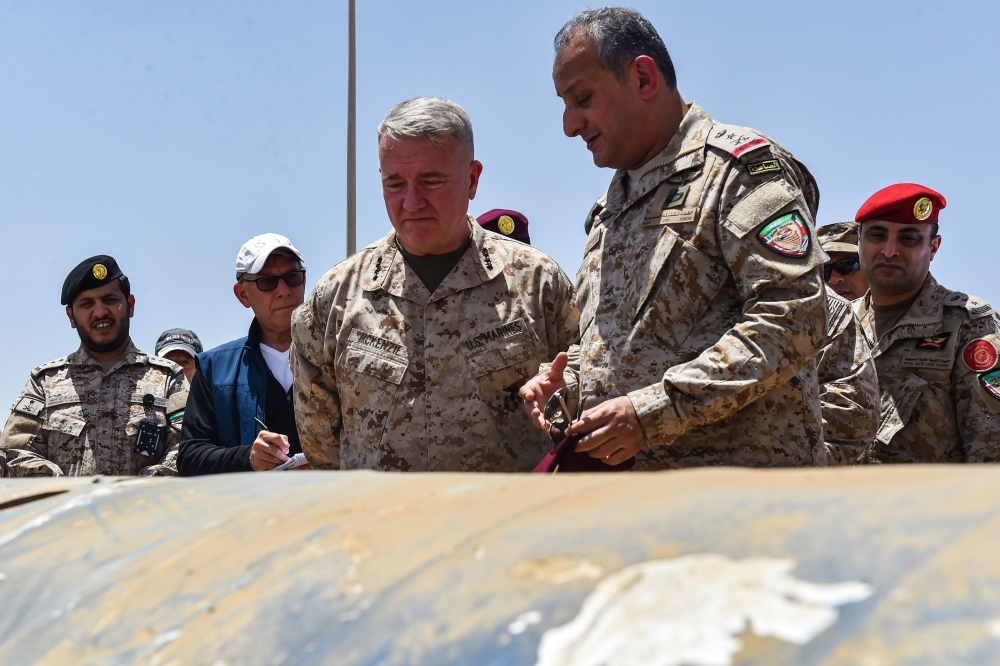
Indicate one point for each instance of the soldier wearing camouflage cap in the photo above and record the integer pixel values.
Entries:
(701, 294)
(842, 271)
(408, 355)
(935, 349)
(104, 408)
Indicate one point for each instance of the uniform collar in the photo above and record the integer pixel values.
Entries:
(924, 318)
(386, 270)
(683, 152)
(82, 357)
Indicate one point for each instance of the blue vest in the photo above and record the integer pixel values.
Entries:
(237, 376)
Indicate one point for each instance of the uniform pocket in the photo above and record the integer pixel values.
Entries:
(367, 400)
(679, 291)
(68, 420)
(501, 370)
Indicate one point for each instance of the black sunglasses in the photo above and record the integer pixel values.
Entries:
(842, 266)
(270, 282)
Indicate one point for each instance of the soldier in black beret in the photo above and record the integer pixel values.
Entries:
(103, 408)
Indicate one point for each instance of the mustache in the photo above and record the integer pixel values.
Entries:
(894, 262)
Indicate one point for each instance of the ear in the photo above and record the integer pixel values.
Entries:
(475, 171)
(240, 290)
(935, 245)
(131, 305)
(648, 77)
(69, 313)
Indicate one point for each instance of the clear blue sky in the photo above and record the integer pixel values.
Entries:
(167, 133)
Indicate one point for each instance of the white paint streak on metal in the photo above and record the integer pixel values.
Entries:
(689, 610)
(69, 505)
(523, 621)
(993, 628)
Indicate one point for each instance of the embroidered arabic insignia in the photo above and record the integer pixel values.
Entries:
(934, 342)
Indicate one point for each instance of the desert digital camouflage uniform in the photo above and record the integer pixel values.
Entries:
(934, 407)
(848, 385)
(75, 418)
(391, 377)
(686, 309)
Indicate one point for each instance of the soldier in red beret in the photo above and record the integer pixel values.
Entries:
(935, 349)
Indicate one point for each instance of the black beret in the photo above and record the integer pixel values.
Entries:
(90, 274)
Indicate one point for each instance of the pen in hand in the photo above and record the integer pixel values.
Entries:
(260, 423)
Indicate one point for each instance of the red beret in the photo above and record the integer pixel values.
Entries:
(506, 222)
(906, 203)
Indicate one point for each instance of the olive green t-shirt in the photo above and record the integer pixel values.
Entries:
(432, 269)
(887, 316)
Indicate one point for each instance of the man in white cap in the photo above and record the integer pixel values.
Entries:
(239, 416)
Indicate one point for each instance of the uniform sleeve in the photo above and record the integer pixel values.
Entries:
(564, 317)
(849, 393)
(176, 385)
(784, 316)
(977, 412)
(318, 415)
(24, 444)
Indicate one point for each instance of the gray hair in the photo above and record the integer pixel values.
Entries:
(620, 36)
(432, 117)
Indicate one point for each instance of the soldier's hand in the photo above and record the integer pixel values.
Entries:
(268, 451)
(613, 431)
(537, 390)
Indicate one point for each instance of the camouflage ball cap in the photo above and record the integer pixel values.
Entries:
(839, 237)
(90, 274)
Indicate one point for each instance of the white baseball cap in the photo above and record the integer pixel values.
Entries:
(254, 253)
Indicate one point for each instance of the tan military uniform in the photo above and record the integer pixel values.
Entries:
(701, 298)
(389, 376)
(848, 385)
(935, 408)
(77, 419)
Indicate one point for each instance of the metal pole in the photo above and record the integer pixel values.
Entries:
(352, 210)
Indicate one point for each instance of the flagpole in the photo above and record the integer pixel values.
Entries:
(352, 210)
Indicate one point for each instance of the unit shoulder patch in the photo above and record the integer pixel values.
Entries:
(786, 235)
(990, 381)
(980, 355)
(30, 406)
(737, 141)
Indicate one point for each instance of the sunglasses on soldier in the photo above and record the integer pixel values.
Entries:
(842, 266)
(270, 282)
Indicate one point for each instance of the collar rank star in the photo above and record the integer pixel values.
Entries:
(786, 235)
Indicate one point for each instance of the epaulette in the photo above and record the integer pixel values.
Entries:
(975, 306)
(59, 362)
(165, 363)
(737, 141)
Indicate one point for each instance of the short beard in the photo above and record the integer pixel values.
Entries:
(119, 340)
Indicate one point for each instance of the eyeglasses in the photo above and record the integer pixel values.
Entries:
(270, 282)
(842, 266)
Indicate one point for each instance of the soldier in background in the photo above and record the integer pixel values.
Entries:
(935, 349)
(102, 409)
(180, 346)
(848, 383)
(842, 271)
(701, 294)
(408, 356)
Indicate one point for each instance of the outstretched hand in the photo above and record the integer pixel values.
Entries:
(537, 391)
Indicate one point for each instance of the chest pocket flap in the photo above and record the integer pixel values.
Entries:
(895, 415)
(376, 357)
(512, 346)
(68, 419)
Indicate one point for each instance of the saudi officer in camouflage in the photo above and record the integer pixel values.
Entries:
(701, 296)
(935, 349)
(105, 408)
(848, 383)
(408, 356)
